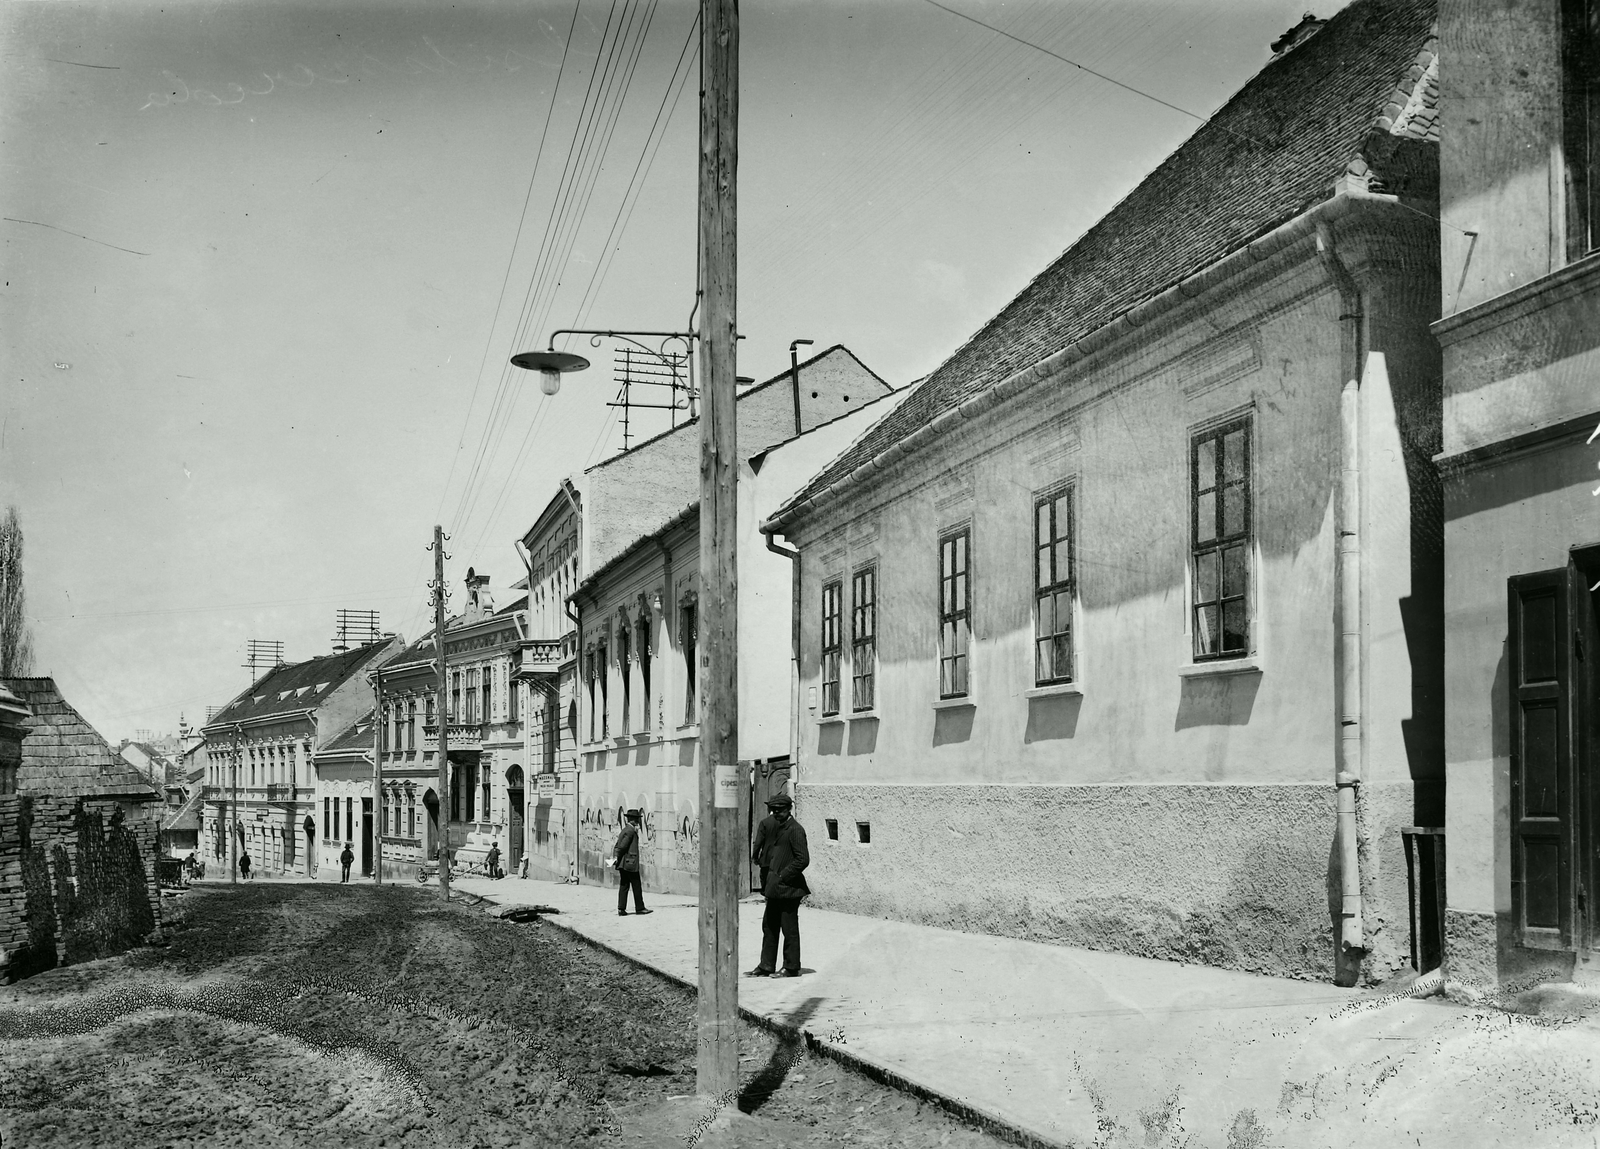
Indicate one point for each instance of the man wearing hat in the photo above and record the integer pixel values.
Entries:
(626, 861)
(786, 860)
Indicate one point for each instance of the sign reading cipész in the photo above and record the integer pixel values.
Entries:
(727, 778)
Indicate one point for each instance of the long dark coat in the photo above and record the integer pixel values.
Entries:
(787, 858)
(627, 848)
(764, 832)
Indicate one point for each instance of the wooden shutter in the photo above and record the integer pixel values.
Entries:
(1585, 706)
(1538, 654)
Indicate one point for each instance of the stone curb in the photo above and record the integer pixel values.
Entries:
(973, 1115)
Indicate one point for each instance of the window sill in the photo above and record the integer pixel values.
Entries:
(830, 719)
(871, 712)
(1054, 689)
(1221, 668)
(954, 703)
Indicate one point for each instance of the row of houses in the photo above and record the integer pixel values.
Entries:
(1241, 563)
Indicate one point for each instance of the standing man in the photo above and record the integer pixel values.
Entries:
(627, 863)
(786, 858)
(763, 842)
(345, 858)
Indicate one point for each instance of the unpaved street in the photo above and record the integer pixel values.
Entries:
(298, 1014)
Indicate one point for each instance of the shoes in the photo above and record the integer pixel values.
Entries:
(759, 972)
(622, 913)
(644, 911)
(787, 973)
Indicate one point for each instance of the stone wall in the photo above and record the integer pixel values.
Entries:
(77, 880)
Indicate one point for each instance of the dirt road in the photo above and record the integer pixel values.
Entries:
(289, 1015)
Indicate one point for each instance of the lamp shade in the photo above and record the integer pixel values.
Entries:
(550, 365)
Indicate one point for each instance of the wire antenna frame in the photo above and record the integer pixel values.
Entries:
(661, 369)
(260, 653)
(354, 627)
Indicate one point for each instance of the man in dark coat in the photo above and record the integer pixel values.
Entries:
(758, 849)
(346, 858)
(627, 861)
(786, 858)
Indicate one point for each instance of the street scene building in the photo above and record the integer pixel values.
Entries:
(1520, 336)
(1087, 606)
(486, 801)
(261, 747)
(638, 710)
(1169, 709)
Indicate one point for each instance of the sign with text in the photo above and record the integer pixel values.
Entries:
(546, 784)
(727, 774)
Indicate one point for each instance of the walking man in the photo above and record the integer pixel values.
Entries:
(244, 865)
(627, 864)
(345, 858)
(787, 858)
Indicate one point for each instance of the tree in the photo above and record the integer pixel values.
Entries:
(16, 641)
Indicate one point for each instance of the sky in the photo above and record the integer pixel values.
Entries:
(264, 264)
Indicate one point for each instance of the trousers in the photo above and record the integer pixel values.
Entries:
(629, 880)
(782, 915)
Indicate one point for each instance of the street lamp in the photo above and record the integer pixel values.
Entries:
(550, 365)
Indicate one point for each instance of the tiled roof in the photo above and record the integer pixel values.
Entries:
(63, 755)
(187, 816)
(296, 686)
(1346, 97)
(355, 737)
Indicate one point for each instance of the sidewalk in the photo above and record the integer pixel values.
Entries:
(1066, 1046)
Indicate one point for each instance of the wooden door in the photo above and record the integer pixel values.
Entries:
(1550, 650)
(366, 837)
(1585, 673)
(514, 848)
(769, 778)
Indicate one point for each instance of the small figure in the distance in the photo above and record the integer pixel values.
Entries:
(346, 857)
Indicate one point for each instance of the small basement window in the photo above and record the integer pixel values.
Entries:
(833, 829)
(864, 833)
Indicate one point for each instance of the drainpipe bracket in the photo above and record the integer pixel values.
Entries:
(1343, 779)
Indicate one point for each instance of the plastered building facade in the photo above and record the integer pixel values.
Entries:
(1520, 333)
(1076, 626)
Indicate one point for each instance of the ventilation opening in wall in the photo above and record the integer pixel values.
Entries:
(864, 833)
(833, 829)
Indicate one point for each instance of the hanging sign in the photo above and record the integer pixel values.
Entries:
(727, 785)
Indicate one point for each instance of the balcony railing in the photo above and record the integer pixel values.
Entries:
(280, 792)
(463, 736)
(540, 656)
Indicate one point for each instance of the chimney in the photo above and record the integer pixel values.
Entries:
(1296, 36)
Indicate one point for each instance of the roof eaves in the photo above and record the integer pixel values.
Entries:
(1257, 250)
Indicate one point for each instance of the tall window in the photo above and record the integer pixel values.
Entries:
(593, 691)
(955, 614)
(1581, 131)
(831, 593)
(642, 644)
(427, 714)
(689, 639)
(349, 819)
(1219, 461)
(1053, 574)
(411, 815)
(603, 673)
(625, 671)
(863, 637)
(488, 694)
(411, 724)
(472, 698)
(327, 817)
(485, 807)
(455, 697)
(513, 700)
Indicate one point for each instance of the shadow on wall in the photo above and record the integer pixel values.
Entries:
(1053, 716)
(863, 736)
(953, 725)
(1224, 701)
(91, 902)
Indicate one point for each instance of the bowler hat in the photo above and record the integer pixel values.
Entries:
(779, 802)
(635, 814)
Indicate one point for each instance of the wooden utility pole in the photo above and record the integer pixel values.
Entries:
(721, 850)
(380, 812)
(233, 813)
(441, 715)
